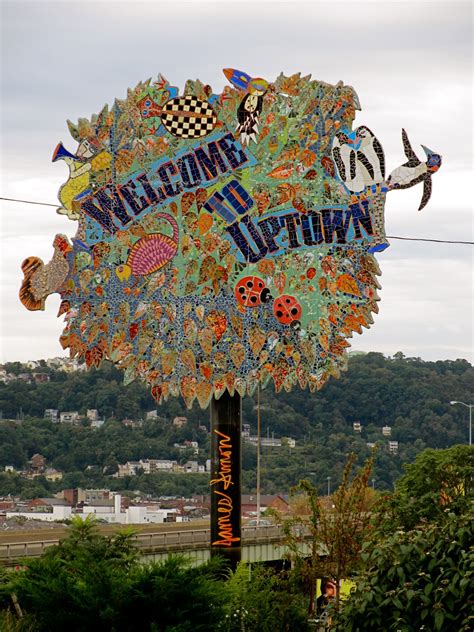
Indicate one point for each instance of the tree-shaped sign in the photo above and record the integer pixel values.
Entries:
(223, 239)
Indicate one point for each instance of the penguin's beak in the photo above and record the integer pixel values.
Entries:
(433, 159)
(428, 151)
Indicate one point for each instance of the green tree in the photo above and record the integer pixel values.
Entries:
(90, 582)
(175, 597)
(261, 599)
(336, 531)
(437, 480)
(415, 580)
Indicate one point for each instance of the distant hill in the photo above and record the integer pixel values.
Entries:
(408, 395)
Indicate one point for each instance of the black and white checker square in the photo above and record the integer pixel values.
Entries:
(188, 117)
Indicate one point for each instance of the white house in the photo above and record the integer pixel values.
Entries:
(52, 414)
(393, 447)
(69, 417)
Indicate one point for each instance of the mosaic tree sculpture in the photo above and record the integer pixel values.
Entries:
(223, 240)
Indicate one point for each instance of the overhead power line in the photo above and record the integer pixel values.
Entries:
(28, 202)
(436, 241)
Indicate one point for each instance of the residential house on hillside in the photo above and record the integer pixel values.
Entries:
(25, 377)
(39, 378)
(52, 414)
(271, 442)
(149, 466)
(69, 417)
(53, 475)
(37, 464)
(188, 445)
(267, 501)
(193, 467)
(32, 364)
(393, 447)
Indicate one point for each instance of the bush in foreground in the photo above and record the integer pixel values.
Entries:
(416, 580)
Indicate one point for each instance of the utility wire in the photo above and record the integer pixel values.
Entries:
(436, 241)
(28, 202)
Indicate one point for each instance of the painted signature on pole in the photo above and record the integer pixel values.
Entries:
(225, 505)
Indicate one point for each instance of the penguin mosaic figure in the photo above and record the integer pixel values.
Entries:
(415, 171)
(359, 159)
(370, 154)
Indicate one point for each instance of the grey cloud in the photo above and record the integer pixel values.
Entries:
(410, 63)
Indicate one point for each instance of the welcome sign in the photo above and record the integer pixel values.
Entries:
(223, 240)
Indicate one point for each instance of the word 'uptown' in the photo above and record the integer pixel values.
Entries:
(225, 505)
(273, 234)
(115, 206)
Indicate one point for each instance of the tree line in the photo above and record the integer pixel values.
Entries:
(408, 394)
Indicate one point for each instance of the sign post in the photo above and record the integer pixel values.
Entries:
(226, 477)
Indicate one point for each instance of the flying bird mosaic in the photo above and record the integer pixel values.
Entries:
(223, 240)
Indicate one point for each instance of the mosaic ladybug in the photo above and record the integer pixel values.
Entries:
(287, 311)
(251, 292)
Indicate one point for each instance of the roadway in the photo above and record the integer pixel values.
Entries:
(154, 542)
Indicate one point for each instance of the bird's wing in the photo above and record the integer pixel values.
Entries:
(363, 159)
(413, 159)
(352, 163)
(426, 192)
(336, 152)
(379, 151)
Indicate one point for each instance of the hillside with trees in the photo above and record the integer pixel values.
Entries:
(409, 395)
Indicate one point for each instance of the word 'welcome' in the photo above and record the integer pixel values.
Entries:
(116, 205)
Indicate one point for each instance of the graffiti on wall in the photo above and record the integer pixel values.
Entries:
(222, 239)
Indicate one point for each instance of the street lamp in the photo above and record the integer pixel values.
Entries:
(329, 485)
(470, 406)
(373, 483)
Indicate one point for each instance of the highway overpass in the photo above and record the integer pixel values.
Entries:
(259, 544)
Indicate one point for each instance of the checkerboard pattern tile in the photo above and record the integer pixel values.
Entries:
(188, 117)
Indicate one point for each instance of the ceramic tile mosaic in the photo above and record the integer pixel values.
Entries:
(222, 239)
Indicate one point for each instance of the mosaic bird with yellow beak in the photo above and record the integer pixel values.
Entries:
(250, 108)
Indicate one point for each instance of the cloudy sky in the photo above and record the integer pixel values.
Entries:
(410, 63)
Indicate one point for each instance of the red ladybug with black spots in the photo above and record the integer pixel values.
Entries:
(251, 292)
(287, 311)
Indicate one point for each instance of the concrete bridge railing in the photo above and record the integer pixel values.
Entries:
(156, 545)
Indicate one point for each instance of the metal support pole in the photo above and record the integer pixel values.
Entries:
(470, 406)
(226, 468)
(470, 424)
